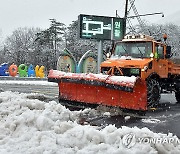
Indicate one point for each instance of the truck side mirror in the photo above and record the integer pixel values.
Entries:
(108, 52)
(109, 49)
(168, 52)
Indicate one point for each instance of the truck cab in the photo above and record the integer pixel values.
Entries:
(137, 55)
(140, 56)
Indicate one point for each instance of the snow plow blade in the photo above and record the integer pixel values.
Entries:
(98, 89)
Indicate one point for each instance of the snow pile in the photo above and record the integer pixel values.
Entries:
(33, 126)
(151, 120)
(123, 80)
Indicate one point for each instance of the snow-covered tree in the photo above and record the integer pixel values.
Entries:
(1, 49)
(49, 42)
(19, 46)
(173, 33)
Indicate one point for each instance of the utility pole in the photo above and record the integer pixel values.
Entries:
(126, 9)
(125, 16)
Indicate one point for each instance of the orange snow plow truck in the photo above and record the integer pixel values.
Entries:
(137, 72)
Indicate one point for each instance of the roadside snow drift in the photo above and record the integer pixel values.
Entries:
(34, 127)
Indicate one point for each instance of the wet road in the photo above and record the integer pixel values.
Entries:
(49, 90)
(165, 119)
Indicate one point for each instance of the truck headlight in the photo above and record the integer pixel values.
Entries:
(144, 69)
(151, 55)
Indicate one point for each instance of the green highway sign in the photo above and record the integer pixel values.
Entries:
(101, 27)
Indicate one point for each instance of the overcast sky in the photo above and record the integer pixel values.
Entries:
(36, 13)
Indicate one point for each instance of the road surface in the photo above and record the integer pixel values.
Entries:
(51, 91)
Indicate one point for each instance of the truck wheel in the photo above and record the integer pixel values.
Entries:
(153, 92)
(177, 94)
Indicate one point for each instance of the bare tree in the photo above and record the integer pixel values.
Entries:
(20, 45)
(1, 48)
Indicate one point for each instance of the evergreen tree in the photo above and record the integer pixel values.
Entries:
(48, 42)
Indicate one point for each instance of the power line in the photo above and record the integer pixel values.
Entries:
(136, 13)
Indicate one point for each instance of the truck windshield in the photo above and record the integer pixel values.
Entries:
(133, 49)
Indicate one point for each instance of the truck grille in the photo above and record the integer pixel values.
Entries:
(131, 72)
(126, 71)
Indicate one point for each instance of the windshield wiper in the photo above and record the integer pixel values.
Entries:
(125, 50)
(140, 52)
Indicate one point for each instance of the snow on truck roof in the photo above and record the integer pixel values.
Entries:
(137, 38)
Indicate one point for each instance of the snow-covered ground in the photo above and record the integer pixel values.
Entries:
(31, 126)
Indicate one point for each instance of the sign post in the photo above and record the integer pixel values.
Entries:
(99, 55)
(101, 28)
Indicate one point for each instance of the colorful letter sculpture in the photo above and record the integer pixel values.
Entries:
(13, 70)
(31, 72)
(4, 69)
(22, 70)
(39, 71)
